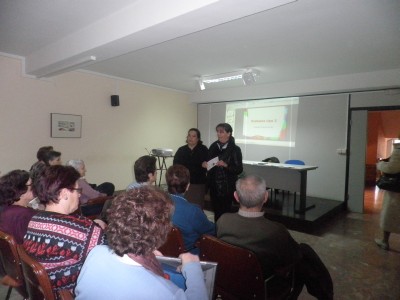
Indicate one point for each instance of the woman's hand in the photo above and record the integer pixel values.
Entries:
(221, 163)
(204, 165)
(101, 223)
(187, 258)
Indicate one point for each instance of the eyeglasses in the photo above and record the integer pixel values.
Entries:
(79, 190)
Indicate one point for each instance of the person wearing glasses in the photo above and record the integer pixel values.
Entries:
(57, 238)
(15, 194)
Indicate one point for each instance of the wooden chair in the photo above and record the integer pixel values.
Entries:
(12, 275)
(93, 207)
(239, 273)
(37, 281)
(174, 244)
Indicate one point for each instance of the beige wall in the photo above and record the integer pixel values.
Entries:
(112, 137)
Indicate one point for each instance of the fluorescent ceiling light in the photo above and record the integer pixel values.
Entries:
(57, 69)
(222, 77)
(248, 77)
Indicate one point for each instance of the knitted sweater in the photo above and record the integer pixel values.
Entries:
(61, 243)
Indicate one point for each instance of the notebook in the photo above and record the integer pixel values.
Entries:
(170, 264)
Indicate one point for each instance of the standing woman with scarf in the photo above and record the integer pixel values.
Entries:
(223, 175)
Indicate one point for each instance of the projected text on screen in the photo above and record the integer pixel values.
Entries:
(264, 122)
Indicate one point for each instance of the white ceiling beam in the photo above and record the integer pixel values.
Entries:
(143, 24)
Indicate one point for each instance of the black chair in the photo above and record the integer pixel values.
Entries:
(271, 159)
(93, 208)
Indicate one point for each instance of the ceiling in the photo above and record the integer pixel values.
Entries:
(172, 43)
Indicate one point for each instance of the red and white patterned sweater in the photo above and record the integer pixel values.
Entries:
(61, 244)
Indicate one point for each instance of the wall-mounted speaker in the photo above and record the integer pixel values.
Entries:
(114, 100)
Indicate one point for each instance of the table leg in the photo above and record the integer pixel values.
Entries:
(303, 195)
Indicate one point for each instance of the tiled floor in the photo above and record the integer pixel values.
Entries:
(359, 269)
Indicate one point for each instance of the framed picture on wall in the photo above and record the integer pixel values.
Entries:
(66, 126)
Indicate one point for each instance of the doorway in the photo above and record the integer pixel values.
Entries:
(382, 128)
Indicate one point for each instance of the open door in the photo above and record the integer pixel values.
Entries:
(358, 143)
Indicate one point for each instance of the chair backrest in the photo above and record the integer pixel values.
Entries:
(93, 207)
(37, 281)
(11, 265)
(271, 159)
(295, 162)
(239, 273)
(174, 245)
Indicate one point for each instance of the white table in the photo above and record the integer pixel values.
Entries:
(286, 177)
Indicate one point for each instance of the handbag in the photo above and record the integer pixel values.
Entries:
(389, 182)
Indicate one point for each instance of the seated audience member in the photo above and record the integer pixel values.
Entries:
(188, 217)
(52, 158)
(41, 153)
(35, 173)
(271, 241)
(104, 189)
(57, 240)
(139, 222)
(144, 171)
(15, 194)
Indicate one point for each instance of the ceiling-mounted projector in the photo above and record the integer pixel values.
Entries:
(162, 152)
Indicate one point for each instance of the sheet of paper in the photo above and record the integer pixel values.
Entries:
(212, 162)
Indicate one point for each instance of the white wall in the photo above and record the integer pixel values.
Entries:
(112, 137)
(321, 129)
(322, 124)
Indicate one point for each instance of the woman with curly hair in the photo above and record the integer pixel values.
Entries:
(15, 194)
(139, 222)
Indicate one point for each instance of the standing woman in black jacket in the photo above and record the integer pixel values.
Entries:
(192, 155)
(222, 177)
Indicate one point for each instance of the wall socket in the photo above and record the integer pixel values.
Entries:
(341, 151)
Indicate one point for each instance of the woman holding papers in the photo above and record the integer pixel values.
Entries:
(224, 166)
(139, 222)
(192, 155)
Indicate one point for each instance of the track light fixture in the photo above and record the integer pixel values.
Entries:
(248, 77)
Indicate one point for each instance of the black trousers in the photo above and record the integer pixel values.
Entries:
(221, 204)
(106, 188)
(311, 272)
